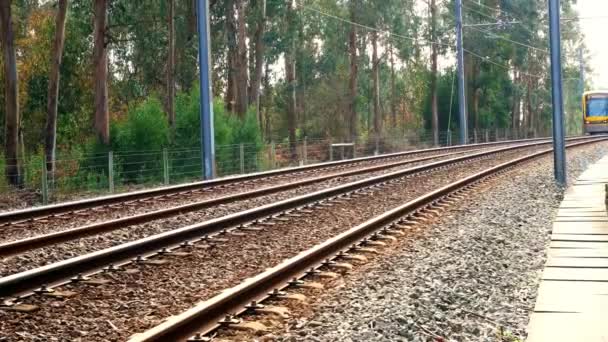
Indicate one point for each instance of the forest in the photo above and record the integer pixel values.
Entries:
(81, 78)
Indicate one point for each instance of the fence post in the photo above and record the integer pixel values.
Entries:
(305, 151)
(273, 156)
(45, 184)
(331, 151)
(242, 157)
(354, 149)
(166, 166)
(487, 135)
(376, 147)
(111, 171)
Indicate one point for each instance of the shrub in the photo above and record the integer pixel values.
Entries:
(229, 132)
(138, 141)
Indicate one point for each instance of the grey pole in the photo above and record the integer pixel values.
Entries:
(581, 61)
(559, 153)
(581, 82)
(462, 105)
(207, 140)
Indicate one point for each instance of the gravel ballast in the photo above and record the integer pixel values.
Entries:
(43, 256)
(471, 275)
(133, 302)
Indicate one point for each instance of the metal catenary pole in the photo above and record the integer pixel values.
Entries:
(581, 84)
(462, 109)
(207, 141)
(559, 152)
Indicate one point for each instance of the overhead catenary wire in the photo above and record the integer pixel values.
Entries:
(329, 15)
(419, 40)
(488, 33)
(392, 34)
(488, 60)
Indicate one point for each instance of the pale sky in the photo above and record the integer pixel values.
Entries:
(595, 38)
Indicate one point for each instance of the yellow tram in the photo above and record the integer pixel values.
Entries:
(595, 112)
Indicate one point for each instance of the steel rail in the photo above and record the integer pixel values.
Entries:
(59, 273)
(205, 316)
(22, 245)
(67, 207)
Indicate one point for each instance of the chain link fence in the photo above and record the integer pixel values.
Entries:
(120, 171)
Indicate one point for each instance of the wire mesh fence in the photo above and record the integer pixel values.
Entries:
(120, 171)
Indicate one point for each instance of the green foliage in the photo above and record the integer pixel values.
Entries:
(141, 137)
(229, 131)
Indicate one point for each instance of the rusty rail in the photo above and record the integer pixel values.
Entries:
(19, 246)
(68, 207)
(203, 318)
(59, 273)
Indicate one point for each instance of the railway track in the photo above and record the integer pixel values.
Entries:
(211, 233)
(196, 323)
(59, 235)
(61, 272)
(21, 245)
(87, 207)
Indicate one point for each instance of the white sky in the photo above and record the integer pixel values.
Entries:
(595, 38)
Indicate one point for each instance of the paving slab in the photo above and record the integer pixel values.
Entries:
(572, 301)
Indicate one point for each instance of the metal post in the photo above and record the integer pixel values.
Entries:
(581, 84)
(331, 151)
(462, 109)
(206, 98)
(354, 149)
(559, 152)
(305, 151)
(165, 166)
(273, 156)
(111, 171)
(45, 184)
(376, 149)
(242, 157)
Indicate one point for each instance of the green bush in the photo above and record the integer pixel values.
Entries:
(138, 141)
(229, 132)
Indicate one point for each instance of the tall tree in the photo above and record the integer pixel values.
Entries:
(241, 66)
(290, 79)
(52, 101)
(12, 120)
(258, 55)
(376, 87)
(433, 76)
(100, 65)
(352, 83)
(171, 65)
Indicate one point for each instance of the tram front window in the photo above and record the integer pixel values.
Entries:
(597, 106)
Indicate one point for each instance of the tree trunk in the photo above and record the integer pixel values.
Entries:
(267, 101)
(242, 100)
(50, 141)
(171, 66)
(231, 61)
(516, 103)
(376, 87)
(434, 53)
(256, 79)
(290, 80)
(476, 98)
(11, 88)
(531, 124)
(393, 89)
(352, 84)
(100, 64)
